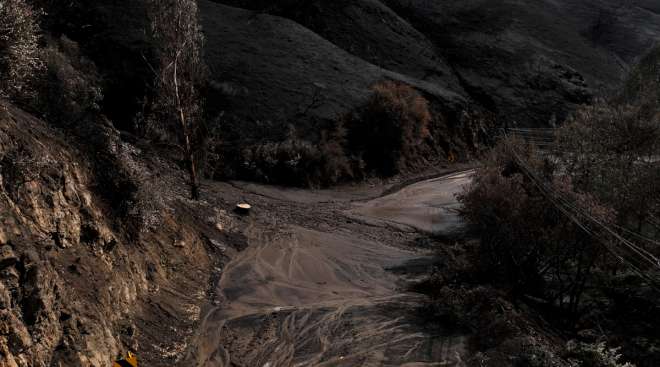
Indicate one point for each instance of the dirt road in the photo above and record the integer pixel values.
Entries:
(323, 281)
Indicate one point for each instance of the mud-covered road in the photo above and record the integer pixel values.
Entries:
(323, 280)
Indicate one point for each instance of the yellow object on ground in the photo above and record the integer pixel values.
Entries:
(129, 361)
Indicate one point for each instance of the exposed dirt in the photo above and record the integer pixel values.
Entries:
(428, 206)
(98, 254)
(323, 281)
(103, 253)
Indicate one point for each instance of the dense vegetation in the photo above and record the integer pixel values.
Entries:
(48, 73)
(566, 227)
(386, 135)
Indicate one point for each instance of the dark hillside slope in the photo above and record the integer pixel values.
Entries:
(528, 62)
(533, 60)
(284, 72)
(370, 30)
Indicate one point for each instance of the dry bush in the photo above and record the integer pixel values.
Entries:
(71, 90)
(289, 162)
(19, 49)
(611, 152)
(335, 164)
(265, 151)
(527, 244)
(389, 127)
(498, 330)
(594, 355)
(380, 137)
(296, 162)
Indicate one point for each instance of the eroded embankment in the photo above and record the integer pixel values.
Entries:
(327, 295)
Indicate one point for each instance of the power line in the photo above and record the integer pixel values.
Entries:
(575, 213)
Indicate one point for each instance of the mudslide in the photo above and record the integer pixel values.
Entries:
(313, 296)
(428, 206)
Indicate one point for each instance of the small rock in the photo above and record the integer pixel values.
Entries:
(219, 246)
(3, 237)
(7, 257)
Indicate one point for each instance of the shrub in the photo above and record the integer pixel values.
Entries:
(594, 355)
(296, 162)
(267, 152)
(610, 151)
(71, 89)
(19, 49)
(527, 243)
(389, 127)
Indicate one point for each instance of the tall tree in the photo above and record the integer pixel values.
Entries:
(176, 104)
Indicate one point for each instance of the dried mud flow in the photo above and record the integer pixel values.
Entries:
(332, 293)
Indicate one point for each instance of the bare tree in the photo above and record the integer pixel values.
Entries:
(176, 106)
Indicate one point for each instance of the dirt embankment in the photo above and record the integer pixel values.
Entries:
(99, 253)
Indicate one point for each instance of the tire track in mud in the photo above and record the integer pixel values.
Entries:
(304, 297)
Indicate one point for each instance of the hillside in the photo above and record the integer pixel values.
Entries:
(524, 62)
(364, 136)
(97, 256)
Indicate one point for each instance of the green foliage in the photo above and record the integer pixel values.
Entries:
(174, 106)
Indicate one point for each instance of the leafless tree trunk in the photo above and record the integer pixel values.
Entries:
(189, 152)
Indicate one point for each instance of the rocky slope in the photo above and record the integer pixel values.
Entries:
(100, 252)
